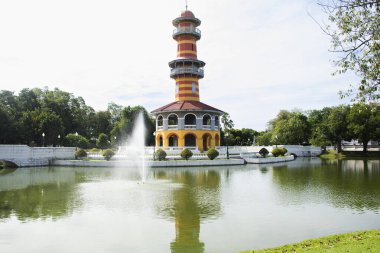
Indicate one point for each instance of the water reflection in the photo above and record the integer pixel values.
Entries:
(343, 183)
(198, 199)
(38, 194)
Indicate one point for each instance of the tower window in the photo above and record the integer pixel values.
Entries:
(193, 88)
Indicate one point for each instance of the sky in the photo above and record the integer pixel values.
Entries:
(261, 56)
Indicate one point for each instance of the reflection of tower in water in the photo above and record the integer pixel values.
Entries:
(190, 206)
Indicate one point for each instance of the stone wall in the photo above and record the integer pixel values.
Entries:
(25, 156)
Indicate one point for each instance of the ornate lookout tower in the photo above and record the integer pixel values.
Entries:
(187, 122)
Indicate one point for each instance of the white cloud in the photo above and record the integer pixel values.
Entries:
(257, 53)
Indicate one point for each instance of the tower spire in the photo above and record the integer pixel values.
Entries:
(186, 4)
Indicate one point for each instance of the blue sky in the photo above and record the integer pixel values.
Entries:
(261, 56)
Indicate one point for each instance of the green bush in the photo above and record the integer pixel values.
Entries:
(279, 152)
(264, 152)
(102, 142)
(284, 151)
(186, 154)
(80, 153)
(160, 154)
(95, 150)
(108, 154)
(212, 153)
(79, 141)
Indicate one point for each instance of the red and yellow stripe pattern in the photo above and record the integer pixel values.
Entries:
(188, 89)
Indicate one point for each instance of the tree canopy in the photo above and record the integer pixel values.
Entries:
(355, 35)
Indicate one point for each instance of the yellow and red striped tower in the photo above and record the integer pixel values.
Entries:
(187, 69)
(187, 122)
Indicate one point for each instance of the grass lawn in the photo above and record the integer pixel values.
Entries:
(332, 155)
(363, 242)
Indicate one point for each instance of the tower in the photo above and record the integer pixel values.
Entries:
(187, 122)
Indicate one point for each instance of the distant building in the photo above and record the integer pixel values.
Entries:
(187, 122)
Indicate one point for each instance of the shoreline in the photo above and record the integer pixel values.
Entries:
(361, 241)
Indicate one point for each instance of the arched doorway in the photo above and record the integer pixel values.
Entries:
(173, 141)
(160, 141)
(206, 141)
(190, 140)
(217, 140)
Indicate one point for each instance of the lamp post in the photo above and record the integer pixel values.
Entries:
(276, 140)
(43, 139)
(228, 155)
(59, 140)
(76, 141)
(154, 147)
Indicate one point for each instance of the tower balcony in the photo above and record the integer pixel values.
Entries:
(187, 70)
(187, 31)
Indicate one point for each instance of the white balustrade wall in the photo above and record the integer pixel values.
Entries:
(25, 156)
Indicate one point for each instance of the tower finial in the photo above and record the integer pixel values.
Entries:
(186, 4)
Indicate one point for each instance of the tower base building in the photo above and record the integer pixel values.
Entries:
(187, 122)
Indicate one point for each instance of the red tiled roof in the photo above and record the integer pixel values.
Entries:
(186, 106)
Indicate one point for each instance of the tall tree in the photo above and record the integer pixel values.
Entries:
(290, 128)
(355, 36)
(364, 122)
(335, 126)
(227, 122)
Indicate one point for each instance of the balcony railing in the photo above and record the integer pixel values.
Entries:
(187, 30)
(172, 126)
(160, 127)
(208, 127)
(189, 70)
(190, 126)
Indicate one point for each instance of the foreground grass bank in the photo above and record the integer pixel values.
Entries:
(363, 241)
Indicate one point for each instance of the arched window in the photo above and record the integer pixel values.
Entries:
(216, 121)
(193, 87)
(173, 120)
(190, 119)
(160, 121)
(173, 141)
(206, 120)
(190, 140)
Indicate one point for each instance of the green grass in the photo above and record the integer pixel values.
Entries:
(363, 242)
(332, 155)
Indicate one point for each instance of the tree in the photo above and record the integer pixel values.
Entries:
(103, 141)
(124, 126)
(336, 126)
(318, 122)
(227, 122)
(74, 140)
(264, 138)
(290, 128)
(364, 122)
(355, 36)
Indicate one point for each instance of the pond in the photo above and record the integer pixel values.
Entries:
(211, 209)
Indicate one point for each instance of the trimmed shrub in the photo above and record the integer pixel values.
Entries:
(73, 140)
(264, 152)
(276, 152)
(102, 141)
(108, 154)
(186, 154)
(212, 153)
(284, 151)
(80, 153)
(279, 152)
(160, 154)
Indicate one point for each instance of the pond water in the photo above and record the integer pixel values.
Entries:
(211, 209)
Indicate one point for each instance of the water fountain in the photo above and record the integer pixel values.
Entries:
(132, 153)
